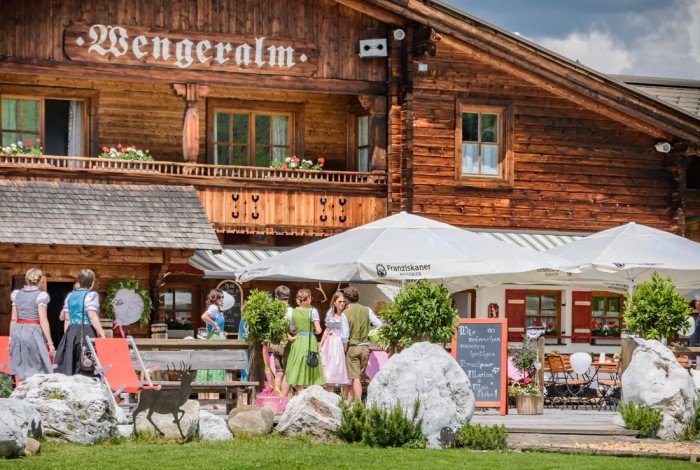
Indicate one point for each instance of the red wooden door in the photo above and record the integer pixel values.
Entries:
(581, 316)
(515, 313)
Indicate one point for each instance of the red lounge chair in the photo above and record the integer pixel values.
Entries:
(114, 365)
(5, 355)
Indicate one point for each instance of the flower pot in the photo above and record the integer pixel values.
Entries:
(529, 404)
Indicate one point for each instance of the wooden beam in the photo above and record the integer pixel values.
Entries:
(381, 14)
(152, 74)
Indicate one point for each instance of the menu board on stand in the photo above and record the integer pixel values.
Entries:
(480, 347)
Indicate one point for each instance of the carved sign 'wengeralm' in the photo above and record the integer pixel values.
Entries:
(131, 45)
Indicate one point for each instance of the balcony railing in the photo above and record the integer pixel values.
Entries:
(194, 171)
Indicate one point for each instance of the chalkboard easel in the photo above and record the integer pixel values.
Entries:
(480, 347)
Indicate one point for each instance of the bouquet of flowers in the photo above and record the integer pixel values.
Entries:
(525, 361)
(605, 329)
(126, 153)
(296, 163)
(22, 148)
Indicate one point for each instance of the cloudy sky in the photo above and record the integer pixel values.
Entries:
(657, 38)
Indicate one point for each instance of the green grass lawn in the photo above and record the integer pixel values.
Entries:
(280, 453)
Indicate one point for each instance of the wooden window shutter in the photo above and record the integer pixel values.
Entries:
(581, 316)
(515, 313)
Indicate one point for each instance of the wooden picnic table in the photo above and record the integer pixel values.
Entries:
(150, 344)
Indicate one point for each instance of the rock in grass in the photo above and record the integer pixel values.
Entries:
(314, 411)
(24, 414)
(213, 427)
(73, 408)
(33, 446)
(425, 372)
(654, 378)
(250, 419)
(12, 438)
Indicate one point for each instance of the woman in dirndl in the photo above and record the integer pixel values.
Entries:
(30, 334)
(333, 342)
(304, 326)
(214, 319)
(80, 319)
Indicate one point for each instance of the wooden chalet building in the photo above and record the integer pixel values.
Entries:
(412, 105)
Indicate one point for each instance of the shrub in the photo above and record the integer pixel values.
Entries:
(6, 385)
(393, 428)
(480, 437)
(352, 422)
(265, 318)
(421, 310)
(640, 418)
(655, 310)
(693, 428)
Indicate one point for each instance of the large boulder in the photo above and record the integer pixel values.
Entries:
(165, 425)
(425, 372)
(73, 408)
(314, 411)
(655, 379)
(24, 414)
(12, 437)
(213, 427)
(250, 419)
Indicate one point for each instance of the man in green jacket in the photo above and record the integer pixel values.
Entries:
(359, 320)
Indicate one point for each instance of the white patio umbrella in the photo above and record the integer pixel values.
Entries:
(623, 256)
(408, 247)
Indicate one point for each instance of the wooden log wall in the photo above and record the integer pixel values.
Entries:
(574, 169)
(33, 29)
(149, 115)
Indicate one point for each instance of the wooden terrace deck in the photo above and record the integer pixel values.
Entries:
(554, 421)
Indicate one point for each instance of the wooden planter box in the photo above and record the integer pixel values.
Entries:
(529, 405)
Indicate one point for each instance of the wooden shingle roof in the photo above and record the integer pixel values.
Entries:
(136, 216)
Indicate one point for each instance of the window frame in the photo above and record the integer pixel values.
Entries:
(606, 295)
(250, 107)
(167, 310)
(90, 97)
(504, 110)
(540, 293)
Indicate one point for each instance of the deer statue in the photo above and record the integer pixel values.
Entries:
(167, 401)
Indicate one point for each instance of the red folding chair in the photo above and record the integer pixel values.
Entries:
(5, 355)
(114, 365)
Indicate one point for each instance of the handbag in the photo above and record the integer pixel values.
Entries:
(311, 356)
(87, 362)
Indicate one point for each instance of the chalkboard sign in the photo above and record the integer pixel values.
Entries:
(232, 305)
(480, 347)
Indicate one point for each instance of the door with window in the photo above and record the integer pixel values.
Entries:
(57, 125)
(179, 311)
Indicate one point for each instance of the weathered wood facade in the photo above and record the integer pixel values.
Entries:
(574, 149)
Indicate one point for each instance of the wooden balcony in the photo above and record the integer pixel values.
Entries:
(237, 199)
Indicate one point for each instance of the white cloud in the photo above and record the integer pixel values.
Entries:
(595, 49)
(657, 44)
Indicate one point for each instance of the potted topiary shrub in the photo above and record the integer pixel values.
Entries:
(420, 312)
(266, 324)
(655, 310)
(529, 399)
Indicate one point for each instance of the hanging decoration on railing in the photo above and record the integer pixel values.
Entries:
(323, 202)
(342, 218)
(255, 214)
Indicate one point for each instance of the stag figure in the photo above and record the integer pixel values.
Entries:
(167, 401)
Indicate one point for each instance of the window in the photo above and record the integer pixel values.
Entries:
(362, 143)
(542, 310)
(249, 133)
(483, 155)
(60, 124)
(178, 309)
(606, 314)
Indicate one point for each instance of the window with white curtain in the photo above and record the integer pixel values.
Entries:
(251, 138)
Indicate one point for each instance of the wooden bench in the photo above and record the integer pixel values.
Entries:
(235, 392)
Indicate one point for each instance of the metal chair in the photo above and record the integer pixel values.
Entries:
(562, 387)
(610, 389)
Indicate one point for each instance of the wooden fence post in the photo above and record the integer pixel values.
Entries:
(540, 359)
(627, 347)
